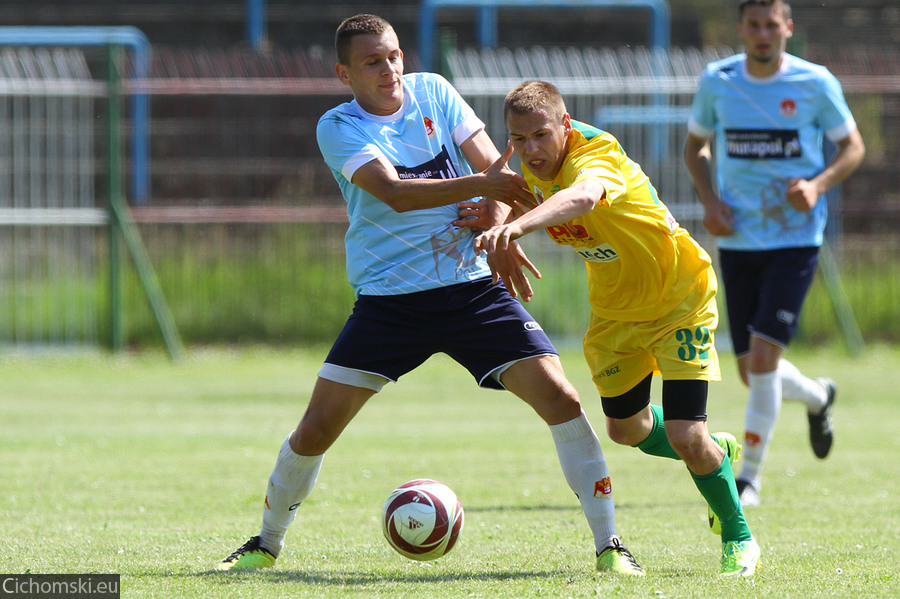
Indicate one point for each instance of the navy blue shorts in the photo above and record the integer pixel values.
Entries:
(478, 324)
(764, 292)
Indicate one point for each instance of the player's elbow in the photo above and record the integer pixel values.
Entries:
(393, 196)
(855, 147)
(586, 195)
(585, 204)
(696, 148)
(381, 181)
(860, 151)
(401, 205)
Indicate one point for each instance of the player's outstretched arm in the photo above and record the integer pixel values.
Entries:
(500, 241)
(562, 207)
(379, 178)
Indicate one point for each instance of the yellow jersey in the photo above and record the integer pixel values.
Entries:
(641, 264)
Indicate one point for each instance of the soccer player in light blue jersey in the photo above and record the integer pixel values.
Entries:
(767, 112)
(406, 152)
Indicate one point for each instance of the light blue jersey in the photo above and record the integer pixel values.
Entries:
(768, 131)
(390, 253)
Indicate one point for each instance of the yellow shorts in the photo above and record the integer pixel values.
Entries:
(680, 345)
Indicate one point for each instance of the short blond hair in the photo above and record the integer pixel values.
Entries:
(533, 96)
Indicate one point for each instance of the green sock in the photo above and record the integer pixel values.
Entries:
(657, 443)
(721, 494)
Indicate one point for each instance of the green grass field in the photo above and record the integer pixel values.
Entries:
(156, 471)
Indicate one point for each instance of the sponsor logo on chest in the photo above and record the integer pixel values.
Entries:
(763, 143)
(601, 253)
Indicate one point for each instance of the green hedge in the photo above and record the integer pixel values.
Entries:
(286, 284)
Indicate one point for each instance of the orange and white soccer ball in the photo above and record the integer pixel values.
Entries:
(422, 519)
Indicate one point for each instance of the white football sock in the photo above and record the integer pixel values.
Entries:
(290, 483)
(797, 387)
(763, 407)
(584, 467)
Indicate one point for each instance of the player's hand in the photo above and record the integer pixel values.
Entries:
(498, 239)
(475, 215)
(509, 266)
(717, 218)
(802, 195)
(507, 186)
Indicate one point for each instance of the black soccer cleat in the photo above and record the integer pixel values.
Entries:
(821, 431)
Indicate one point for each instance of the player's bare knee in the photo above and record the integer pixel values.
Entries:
(690, 448)
(568, 395)
(622, 432)
(560, 398)
(762, 365)
(311, 439)
(562, 408)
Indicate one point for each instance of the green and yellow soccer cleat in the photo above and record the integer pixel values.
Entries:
(249, 556)
(617, 559)
(740, 558)
(733, 451)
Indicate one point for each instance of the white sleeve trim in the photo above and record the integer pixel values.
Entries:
(841, 131)
(466, 129)
(369, 153)
(697, 130)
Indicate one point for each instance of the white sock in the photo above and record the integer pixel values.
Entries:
(797, 387)
(290, 483)
(584, 467)
(763, 407)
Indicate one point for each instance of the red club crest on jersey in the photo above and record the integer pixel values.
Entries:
(788, 107)
(429, 128)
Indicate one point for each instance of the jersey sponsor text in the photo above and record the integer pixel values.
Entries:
(601, 253)
(763, 143)
(440, 167)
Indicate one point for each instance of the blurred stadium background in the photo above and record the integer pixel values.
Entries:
(160, 181)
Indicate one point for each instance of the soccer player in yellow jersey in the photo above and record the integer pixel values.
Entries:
(652, 292)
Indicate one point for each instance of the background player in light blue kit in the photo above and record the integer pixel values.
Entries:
(401, 153)
(768, 112)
